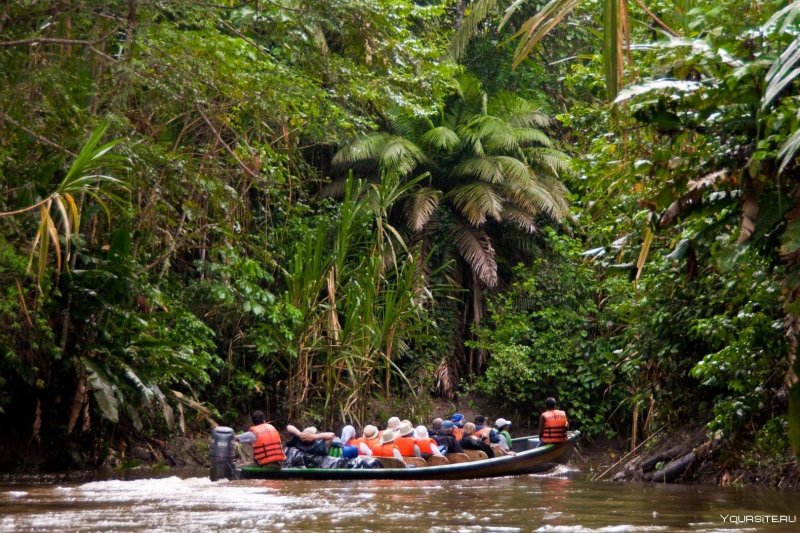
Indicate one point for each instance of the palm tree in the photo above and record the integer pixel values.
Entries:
(486, 169)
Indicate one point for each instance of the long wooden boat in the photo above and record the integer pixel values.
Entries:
(529, 459)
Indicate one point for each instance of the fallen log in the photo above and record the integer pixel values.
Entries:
(675, 451)
(675, 469)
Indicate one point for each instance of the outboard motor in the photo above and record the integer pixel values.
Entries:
(223, 453)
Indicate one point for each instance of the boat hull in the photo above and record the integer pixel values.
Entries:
(527, 461)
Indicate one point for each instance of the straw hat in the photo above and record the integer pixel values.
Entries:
(370, 432)
(311, 430)
(393, 422)
(421, 432)
(405, 428)
(388, 436)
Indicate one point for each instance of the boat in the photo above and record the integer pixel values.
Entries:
(529, 459)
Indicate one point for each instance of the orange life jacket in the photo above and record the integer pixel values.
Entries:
(384, 450)
(458, 432)
(483, 432)
(357, 443)
(426, 445)
(267, 448)
(373, 444)
(555, 426)
(406, 446)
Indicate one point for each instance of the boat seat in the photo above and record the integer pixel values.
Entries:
(476, 455)
(417, 462)
(457, 458)
(435, 460)
(391, 462)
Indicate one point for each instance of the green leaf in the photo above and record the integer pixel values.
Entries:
(105, 392)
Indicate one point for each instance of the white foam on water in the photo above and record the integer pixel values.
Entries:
(16, 493)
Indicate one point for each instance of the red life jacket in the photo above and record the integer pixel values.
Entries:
(406, 446)
(555, 426)
(458, 432)
(384, 450)
(267, 448)
(426, 445)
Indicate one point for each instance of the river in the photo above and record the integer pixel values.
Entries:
(560, 501)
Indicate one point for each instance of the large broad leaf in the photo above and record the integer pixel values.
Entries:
(105, 392)
(668, 85)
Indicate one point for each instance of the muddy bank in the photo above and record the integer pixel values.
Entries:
(689, 455)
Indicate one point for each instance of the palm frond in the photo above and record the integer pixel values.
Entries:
(522, 218)
(783, 72)
(475, 247)
(407, 124)
(401, 155)
(548, 160)
(440, 138)
(478, 11)
(495, 169)
(532, 135)
(368, 148)
(517, 111)
(477, 200)
(535, 28)
(788, 151)
(534, 198)
(419, 207)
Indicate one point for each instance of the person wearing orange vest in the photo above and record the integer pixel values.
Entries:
(553, 424)
(265, 440)
(427, 446)
(405, 442)
(386, 447)
(349, 439)
(458, 425)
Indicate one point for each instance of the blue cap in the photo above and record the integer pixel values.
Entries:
(458, 417)
(447, 425)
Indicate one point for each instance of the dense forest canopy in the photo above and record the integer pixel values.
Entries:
(331, 209)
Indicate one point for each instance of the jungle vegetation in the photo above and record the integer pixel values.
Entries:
(328, 209)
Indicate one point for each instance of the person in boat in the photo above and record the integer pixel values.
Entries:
(426, 445)
(471, 441)
(352, 446)
(386, 446)
(393, 423)
(445, 438)
(436, 426)
(503, 426)
(310, 440)
(458, 425)
(405, 441)
(483, 431)
(371, 437)
(265, 440)
(553, 424)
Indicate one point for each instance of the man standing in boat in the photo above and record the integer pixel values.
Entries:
(266, 442)
(553, 424)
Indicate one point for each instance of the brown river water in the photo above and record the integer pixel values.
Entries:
(559, 501)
